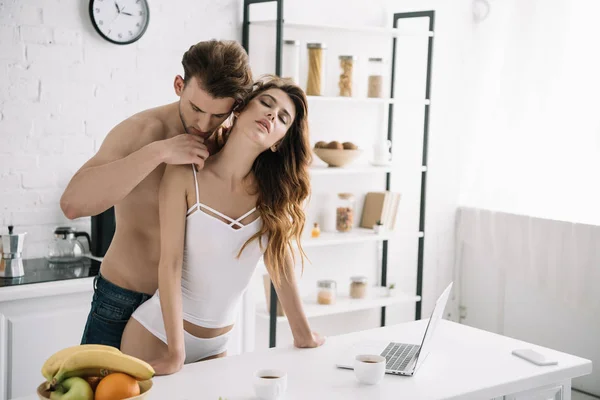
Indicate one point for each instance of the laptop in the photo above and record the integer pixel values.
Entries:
(401, 358)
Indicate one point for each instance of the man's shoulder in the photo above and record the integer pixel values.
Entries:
(147, 124)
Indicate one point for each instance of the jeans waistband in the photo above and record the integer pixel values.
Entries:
(117, 293)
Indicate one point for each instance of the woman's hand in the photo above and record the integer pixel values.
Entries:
(169, 364)
(315, 340)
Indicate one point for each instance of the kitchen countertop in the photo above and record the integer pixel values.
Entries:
(43, 278)
(38, 270)
(465, 363)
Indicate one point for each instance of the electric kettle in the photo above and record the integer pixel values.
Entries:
(65, 247)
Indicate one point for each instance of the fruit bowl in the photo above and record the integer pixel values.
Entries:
(337, 157)
(145, 386)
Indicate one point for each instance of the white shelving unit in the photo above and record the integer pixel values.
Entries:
(376, 297)
(369, 30)
(319, 170)
(366, 100)
(356, 235)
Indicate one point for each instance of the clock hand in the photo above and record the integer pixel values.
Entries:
(118, 10)
(131, 15)
(111, 23)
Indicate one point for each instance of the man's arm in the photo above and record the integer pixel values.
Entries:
(116, 170)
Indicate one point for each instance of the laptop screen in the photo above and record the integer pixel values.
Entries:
(436, 316)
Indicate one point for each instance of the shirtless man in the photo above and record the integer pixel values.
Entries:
(127, 170)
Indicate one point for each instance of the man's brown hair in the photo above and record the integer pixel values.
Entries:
(222, 67)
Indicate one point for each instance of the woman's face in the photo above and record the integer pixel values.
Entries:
(267, 117)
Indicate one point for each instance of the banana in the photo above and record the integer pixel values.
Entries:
(54, 362)
(101, 363)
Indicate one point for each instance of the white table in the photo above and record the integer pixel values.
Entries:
(464, 363)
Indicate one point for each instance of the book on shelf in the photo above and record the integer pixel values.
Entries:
(380, 206)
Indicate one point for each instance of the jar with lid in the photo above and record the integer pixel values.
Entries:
(358, 287)
(290, 67)
(315, 84)
(346, 78)
(376, 73)
(344, 214)
(326, 292)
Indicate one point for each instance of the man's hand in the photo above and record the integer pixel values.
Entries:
(184, 149)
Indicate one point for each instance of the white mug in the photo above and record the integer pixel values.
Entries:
(270, 384)
(369, 368)
(381, 152)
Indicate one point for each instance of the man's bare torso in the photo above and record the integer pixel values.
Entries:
(132, 258)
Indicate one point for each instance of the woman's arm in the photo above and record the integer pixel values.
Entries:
(172, 212)
(292, 305)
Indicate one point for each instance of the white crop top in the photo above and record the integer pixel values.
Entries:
(213, 280)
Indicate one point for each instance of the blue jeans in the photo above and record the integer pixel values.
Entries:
(111, 308)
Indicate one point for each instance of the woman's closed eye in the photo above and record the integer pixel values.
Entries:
(281, 118)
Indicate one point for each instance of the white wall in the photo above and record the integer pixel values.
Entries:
(62, 88)
(534, 142)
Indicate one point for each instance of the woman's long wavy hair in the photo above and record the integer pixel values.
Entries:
(283, 181)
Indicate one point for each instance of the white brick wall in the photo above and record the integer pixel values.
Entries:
(62, 88)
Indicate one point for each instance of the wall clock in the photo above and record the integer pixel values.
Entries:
(120, 21)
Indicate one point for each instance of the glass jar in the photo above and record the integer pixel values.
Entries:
(358, 287)
(344, 213)
(316, 231)
(315, 83)
(326, 292)
(376, 72)
(290, 67)
(346, 71)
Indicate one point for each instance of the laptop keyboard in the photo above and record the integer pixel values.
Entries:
(398, 355)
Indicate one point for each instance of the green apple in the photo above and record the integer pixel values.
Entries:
(74, 388)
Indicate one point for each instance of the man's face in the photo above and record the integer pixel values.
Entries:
(201, 114)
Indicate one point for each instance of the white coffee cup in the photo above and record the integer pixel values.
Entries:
(381, 152)
(270, 384)
(369, 368)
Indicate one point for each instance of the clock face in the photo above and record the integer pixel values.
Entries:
(120, 21)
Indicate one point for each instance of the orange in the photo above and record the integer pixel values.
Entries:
(117, 386)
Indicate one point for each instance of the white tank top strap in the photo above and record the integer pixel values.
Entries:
(237, 221)
(212, 210)
(197, 204)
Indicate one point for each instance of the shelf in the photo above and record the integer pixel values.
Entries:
(355, 235)
(376, 297)
(358, 169)
(341, 99)
(391, 32)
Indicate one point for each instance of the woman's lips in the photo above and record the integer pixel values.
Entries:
(262, 126)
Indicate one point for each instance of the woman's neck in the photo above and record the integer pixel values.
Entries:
(234, 162)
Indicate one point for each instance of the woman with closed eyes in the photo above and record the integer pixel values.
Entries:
(215, 225)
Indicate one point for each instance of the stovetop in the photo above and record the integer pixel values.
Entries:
(38, 270)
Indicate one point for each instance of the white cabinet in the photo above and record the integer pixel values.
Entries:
(31, 330)
(37, 320)
(553, 392)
